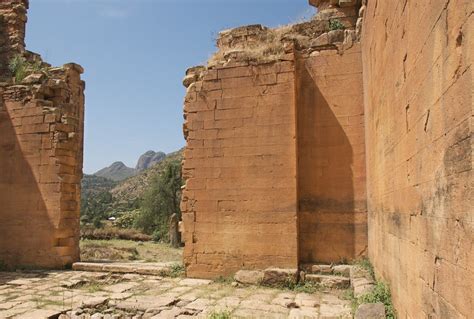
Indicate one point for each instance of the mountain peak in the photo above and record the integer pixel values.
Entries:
(117, 171)
(149, 159)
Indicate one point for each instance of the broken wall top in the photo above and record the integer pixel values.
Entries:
(336, 26)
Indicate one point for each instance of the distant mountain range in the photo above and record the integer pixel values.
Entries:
(126, 192)
(118, 171)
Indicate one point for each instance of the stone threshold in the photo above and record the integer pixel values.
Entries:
(141, 268)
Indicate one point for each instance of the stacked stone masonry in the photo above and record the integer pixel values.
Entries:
(337, 144)
(275, 156)
(240, 202)
(41, 129)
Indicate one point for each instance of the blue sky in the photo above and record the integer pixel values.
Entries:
(135, 53)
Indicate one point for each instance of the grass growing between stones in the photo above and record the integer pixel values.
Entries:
(177, 270)
(220, 315)
(380, 293)
(365, 263)
(21, 68)
(301, 287)
(93, 287)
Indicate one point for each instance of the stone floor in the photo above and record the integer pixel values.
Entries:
(80, 294)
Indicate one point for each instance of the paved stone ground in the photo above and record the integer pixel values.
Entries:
(78, 294)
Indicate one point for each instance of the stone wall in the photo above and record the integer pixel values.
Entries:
(418, 103)
(12, 32)
(274, 130)
(41, 125)
(331, 157)
(239, 205)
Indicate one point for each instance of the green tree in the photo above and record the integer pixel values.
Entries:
(94, 208)
(161, 201)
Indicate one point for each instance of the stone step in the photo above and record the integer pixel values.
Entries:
(342, 270)
(156, 269)
(329, 281)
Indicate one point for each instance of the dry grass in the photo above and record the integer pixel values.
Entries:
(270, 46)
(110, 232)
(126, 250)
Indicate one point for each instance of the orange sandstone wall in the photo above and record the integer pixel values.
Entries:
(40, 171)
(240, 204)
(418, 105)
(331, 157)
(41, 145)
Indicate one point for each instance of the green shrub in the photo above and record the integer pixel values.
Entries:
(335, 24)
(126, 220)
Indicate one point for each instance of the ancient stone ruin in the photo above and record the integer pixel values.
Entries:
(41, 138)
(336, 138)
(321, 142)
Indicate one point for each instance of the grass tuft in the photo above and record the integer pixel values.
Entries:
(177, 270)
(219, 315)
(21, 68)
(365, 264)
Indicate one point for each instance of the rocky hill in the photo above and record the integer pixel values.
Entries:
(149, 159)
(133, 188)
(125, 190)
(117, 171)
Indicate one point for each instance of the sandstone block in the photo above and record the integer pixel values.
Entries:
(320, 41)
(342, 269)
(321, 269)
(34, 78)
(329, 281)
(195, 282)
(189, 79)
(336, 36)
(347, 3)
(279, 276)
(370, 311)
(250, 277)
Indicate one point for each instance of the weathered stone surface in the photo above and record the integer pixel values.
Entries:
(335, 36)
(278, 276)
(40, 153)
(370, 311)
(323, 269)
(419, 155)
(347, 3)
(332, 189)
(195, 282)
(250, 277)
(34, 78)
(322, 40)
(329, 281)
(342, 270)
